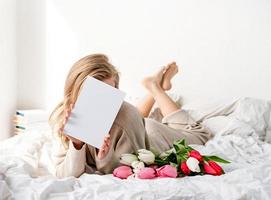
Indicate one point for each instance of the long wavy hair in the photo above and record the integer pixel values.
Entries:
(95, 65)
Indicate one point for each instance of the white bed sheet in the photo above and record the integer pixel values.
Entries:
(26, 166)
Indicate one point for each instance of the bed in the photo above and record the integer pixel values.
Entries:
(242, 134)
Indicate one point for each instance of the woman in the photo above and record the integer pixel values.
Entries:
(133, 129)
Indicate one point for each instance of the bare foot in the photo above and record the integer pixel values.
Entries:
(172, 70)
(154, 82)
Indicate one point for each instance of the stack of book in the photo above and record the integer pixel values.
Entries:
(27, 120)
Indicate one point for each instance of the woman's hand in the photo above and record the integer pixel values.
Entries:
(76, 143)
(105, 148)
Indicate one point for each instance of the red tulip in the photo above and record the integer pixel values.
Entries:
(185, 169)
(208, 169)
(195, 154)
(216, 167)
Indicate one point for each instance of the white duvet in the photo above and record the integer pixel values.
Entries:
(242, 130)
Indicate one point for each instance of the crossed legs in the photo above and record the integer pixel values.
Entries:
(156, 86)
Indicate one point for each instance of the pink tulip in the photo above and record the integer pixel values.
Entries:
(208, 169)
(185, 169)
(153, 166)
(195, 154)
(146, 173)
(122, 172)
(167, 171)
(216, 167)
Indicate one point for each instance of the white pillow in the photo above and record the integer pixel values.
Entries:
(246, 112)
(217, 124)
(268, 132)
(204, 110)
(255, 113)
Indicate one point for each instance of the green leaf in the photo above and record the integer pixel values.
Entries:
(180, 142)
(216, 159)
(183, 142)
(160, 161)
(172, 158)
(189, 148)
(164, 155)
(179, 148)
(179, 159)
(174, 165)
(206, 158)
(176, 147)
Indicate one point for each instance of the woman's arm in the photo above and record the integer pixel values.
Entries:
(71, 161)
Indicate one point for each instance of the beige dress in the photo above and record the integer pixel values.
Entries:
(130, 132)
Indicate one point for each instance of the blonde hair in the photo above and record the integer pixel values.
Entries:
(95, 65)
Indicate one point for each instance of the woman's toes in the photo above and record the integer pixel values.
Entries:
(165, 68)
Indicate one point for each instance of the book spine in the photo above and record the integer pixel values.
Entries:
(19, 113)
(20, 127)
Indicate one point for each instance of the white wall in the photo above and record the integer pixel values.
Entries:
(8, 69)
(31, 54)
(223, 47)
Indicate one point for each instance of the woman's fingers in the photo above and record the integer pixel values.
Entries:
(107, 140)
(106, 144)
(107, 137)
(105, 147)
(101, 153)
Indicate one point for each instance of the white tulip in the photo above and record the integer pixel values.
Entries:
(146, 156)
(138, 165)
(136, 171)
(193, 164)
(128, 158)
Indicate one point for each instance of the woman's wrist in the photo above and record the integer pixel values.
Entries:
(78, 146)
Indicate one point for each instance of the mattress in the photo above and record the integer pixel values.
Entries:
(240, 129)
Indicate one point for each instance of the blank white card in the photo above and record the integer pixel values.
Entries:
(94, 112)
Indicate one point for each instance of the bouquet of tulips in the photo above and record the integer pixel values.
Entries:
(181, 160)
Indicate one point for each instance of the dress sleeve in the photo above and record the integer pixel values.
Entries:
(120, 143)
(69, 162)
